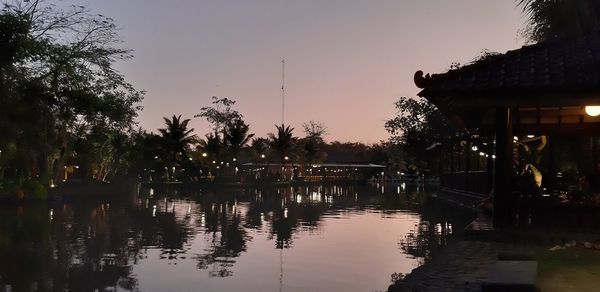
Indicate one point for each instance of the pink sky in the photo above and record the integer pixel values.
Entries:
(347, 61)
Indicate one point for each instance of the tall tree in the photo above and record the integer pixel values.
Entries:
(57, 84)
(220, 114)
(549, 18)
(313, 142)
(283, 141)
(237, 136)
(418, 125)
(177, 138)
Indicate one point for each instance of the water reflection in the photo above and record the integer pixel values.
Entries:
(165, 234)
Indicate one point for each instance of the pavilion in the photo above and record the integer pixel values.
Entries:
(529, 109)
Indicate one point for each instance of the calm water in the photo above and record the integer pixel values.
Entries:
(291, 239)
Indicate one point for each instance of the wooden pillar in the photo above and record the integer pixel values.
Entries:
(504, 202)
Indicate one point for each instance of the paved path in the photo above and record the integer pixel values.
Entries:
(462, 266)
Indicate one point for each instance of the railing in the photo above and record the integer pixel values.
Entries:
(472, 182)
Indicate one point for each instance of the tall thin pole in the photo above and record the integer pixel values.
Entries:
(282, 91)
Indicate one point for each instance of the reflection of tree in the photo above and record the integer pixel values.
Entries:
(94, 246)
(433, 232)
(283, 229)
(227, 238)
(82, 250)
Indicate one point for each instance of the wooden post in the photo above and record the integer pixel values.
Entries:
(504, 203)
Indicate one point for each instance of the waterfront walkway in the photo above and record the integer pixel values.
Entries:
(462, 266)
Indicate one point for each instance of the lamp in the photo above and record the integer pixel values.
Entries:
(592, 110)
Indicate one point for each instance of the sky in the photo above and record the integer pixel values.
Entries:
(347, 61)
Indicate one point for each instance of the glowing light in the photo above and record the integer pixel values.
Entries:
(493, 156)
(286, 158)
(262, 156)
(474, 148)
(516, 138)
(530, 136)
(592, 110)
(234, 159)
(481, 154)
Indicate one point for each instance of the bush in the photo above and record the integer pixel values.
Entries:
(34, 190)
(12, 193)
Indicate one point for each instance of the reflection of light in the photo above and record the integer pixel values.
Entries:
(314, 196)
(151, 192)
(298, 199)
(285, 213)
(398, 190)
(438, 228)
(51, 214)
(262, 217)
(592, 110)
(154, 211)
(202, 220)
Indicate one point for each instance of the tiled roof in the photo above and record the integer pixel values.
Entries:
(559, 65)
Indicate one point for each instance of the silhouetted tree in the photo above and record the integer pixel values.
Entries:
(220, 114)
(237, 136)
(177, 139)
(58, 84)
(418, 125)
(549, 18)
(283, 141)
(313, 142)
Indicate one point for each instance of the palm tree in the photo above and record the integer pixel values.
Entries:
(259, 148)
(236, 136)
(282, 142)
(176, 139)
(550, 18)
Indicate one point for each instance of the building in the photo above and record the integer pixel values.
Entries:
(532, 126)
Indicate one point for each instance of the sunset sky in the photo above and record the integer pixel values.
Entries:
(347, 61)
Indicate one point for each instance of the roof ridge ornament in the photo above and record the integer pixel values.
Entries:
(422, 80)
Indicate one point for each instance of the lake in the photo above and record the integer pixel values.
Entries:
(315, 238)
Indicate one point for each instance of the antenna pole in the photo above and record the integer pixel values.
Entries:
(282, 91)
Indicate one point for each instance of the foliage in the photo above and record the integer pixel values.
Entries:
(550, 18)
(58, 87)
(313, 142)
(237, 136)
(283, 141)
(176, 141)
(220, 114)
(417, 126)
(258, 148)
